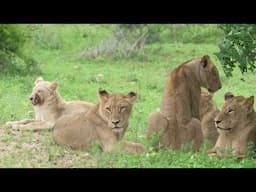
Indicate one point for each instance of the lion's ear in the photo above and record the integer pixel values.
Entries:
(205, 60)
(103, 95)
(132, 96)
(249, 103)
(38, 79)
(228, 95)
(53, 86)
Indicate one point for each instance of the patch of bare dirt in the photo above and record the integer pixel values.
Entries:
(7, 147)
(31, 149)
(69, 159)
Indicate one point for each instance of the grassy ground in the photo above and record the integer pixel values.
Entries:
(55, 48)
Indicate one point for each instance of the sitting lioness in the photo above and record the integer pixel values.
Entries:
(48, 107)
(208, 111)
(105, 124)
(236, 124)
(178, 119)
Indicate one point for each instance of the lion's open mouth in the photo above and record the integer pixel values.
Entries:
(117, 129)
(225, 129)
(36, 100)
(210, 90)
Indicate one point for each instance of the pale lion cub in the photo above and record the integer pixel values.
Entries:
(48, 107)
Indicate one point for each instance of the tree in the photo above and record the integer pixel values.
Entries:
(238, 48)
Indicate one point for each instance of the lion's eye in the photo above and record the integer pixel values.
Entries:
(108, 109)
(122, 109)
(39, 91)
(230, 110)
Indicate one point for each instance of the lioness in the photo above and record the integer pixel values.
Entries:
(48, 107)
(208, 111)
(236, 124)
(178, 120)
(105, 123)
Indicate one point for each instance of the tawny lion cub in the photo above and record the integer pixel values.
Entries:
(178, 119)
(105, 123)
(48, 107)
(236, 124)
(208, 111)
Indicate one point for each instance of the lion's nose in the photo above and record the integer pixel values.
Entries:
(115, 122)
(217, 121)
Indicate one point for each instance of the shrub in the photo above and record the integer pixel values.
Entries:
(13, 58)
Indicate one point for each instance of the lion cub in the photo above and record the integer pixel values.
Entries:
(105, 123)
(208, 111)
(236, 124)
(48, 107)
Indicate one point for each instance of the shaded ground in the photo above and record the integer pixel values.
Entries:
(33, 151)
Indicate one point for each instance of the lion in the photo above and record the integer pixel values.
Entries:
(105, 124)
(48, 107)
(236, 125)
(178, 122)
(208, 111)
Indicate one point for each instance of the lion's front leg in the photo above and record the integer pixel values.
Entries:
(12, 124)
(107, 139)
(35, 125)
(131, 147)
(212, 152)
(192, 132)
(157, 124)
(221, 143)
(239, 147)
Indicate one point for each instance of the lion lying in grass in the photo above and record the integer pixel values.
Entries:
(236, 124)
(48, 107)
(105, 123)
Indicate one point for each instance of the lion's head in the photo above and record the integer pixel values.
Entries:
(43, 91)
(235, 111)
(115, 109)
(209, 74)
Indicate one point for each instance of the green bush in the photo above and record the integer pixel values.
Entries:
(13, 58)
(238, 48)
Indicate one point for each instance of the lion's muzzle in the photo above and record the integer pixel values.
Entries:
(217, 125)
(35, 100)
(116, 125)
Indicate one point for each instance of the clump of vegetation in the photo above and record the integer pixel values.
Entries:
(13, 57)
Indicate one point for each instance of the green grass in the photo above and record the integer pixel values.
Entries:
(145, 74)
